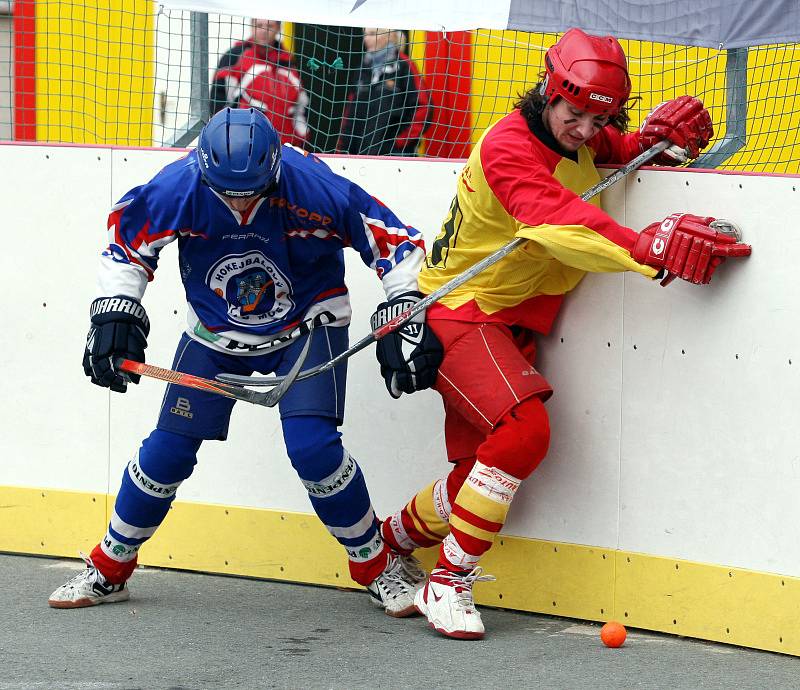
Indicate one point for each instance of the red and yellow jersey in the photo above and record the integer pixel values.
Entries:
(515, 185)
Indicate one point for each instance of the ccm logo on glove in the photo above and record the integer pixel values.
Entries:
(662, 234)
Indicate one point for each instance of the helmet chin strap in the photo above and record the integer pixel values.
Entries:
(271, 188)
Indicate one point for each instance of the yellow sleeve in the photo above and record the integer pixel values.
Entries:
(582, 248)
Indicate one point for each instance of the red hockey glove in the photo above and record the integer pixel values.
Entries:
(688, 247)
(685, 122)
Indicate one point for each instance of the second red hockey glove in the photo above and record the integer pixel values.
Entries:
(410, 356)
(119, 329)
(687, 125)
(688, 247)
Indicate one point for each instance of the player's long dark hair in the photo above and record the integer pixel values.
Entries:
(532, 103)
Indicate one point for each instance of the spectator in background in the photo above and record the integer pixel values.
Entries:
(258, 73)
(388, 108)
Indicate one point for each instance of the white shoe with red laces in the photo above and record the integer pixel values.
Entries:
(446, 600)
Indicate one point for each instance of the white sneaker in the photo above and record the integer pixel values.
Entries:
(446, 600)
(394, 589)
(87, 588)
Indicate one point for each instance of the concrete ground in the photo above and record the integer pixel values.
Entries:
(192, 631)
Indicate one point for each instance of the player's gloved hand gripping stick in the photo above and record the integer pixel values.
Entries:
(179, 378)
(436, 295)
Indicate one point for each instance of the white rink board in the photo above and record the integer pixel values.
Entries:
(674, 448)
(55, 430)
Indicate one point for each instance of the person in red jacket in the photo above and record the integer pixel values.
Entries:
(258, 73)
(388, 107)
(523, 179)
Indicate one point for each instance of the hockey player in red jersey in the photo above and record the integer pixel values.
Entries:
(523, 179)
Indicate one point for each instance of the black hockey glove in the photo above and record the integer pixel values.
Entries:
(119, 329)
(410, 356)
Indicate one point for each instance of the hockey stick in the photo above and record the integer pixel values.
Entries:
(445, 289)
(267, 399)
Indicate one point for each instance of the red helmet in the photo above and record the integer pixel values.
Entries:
(588, 71)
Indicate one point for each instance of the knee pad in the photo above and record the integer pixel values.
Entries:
(520, 440)
(314, 446)
(167, 457)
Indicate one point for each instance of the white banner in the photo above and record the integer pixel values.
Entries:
(714, 24)
(441, 15)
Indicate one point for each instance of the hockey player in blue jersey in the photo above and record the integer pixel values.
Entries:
(260, 229)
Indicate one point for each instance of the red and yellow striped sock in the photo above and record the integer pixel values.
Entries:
(478, 514)
(422, 522)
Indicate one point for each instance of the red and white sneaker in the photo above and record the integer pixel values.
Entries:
(446, 600)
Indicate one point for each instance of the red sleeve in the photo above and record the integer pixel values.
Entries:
(412, 132)
(611, 146)
(232, 70)
(519, 170)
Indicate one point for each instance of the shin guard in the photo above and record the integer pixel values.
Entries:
(479, 512)
(149, 484)
(422, 522)
(338, 492)
(509, 454)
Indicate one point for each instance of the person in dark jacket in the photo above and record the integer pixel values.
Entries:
(388, 108)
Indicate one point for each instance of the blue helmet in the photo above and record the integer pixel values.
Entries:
(239, 153)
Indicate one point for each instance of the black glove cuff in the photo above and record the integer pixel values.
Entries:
(386, 311)
(120, 308)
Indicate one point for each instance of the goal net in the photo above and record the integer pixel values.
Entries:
(136, 73)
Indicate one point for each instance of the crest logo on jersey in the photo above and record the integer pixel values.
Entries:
(256, 292)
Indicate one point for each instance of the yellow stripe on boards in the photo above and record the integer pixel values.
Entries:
(51, 522)
(247, 541)
(701, 600)
(709, 602)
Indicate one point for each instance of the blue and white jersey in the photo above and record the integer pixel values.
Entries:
(253, 280)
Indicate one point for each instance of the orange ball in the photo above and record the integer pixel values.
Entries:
(613, 634)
